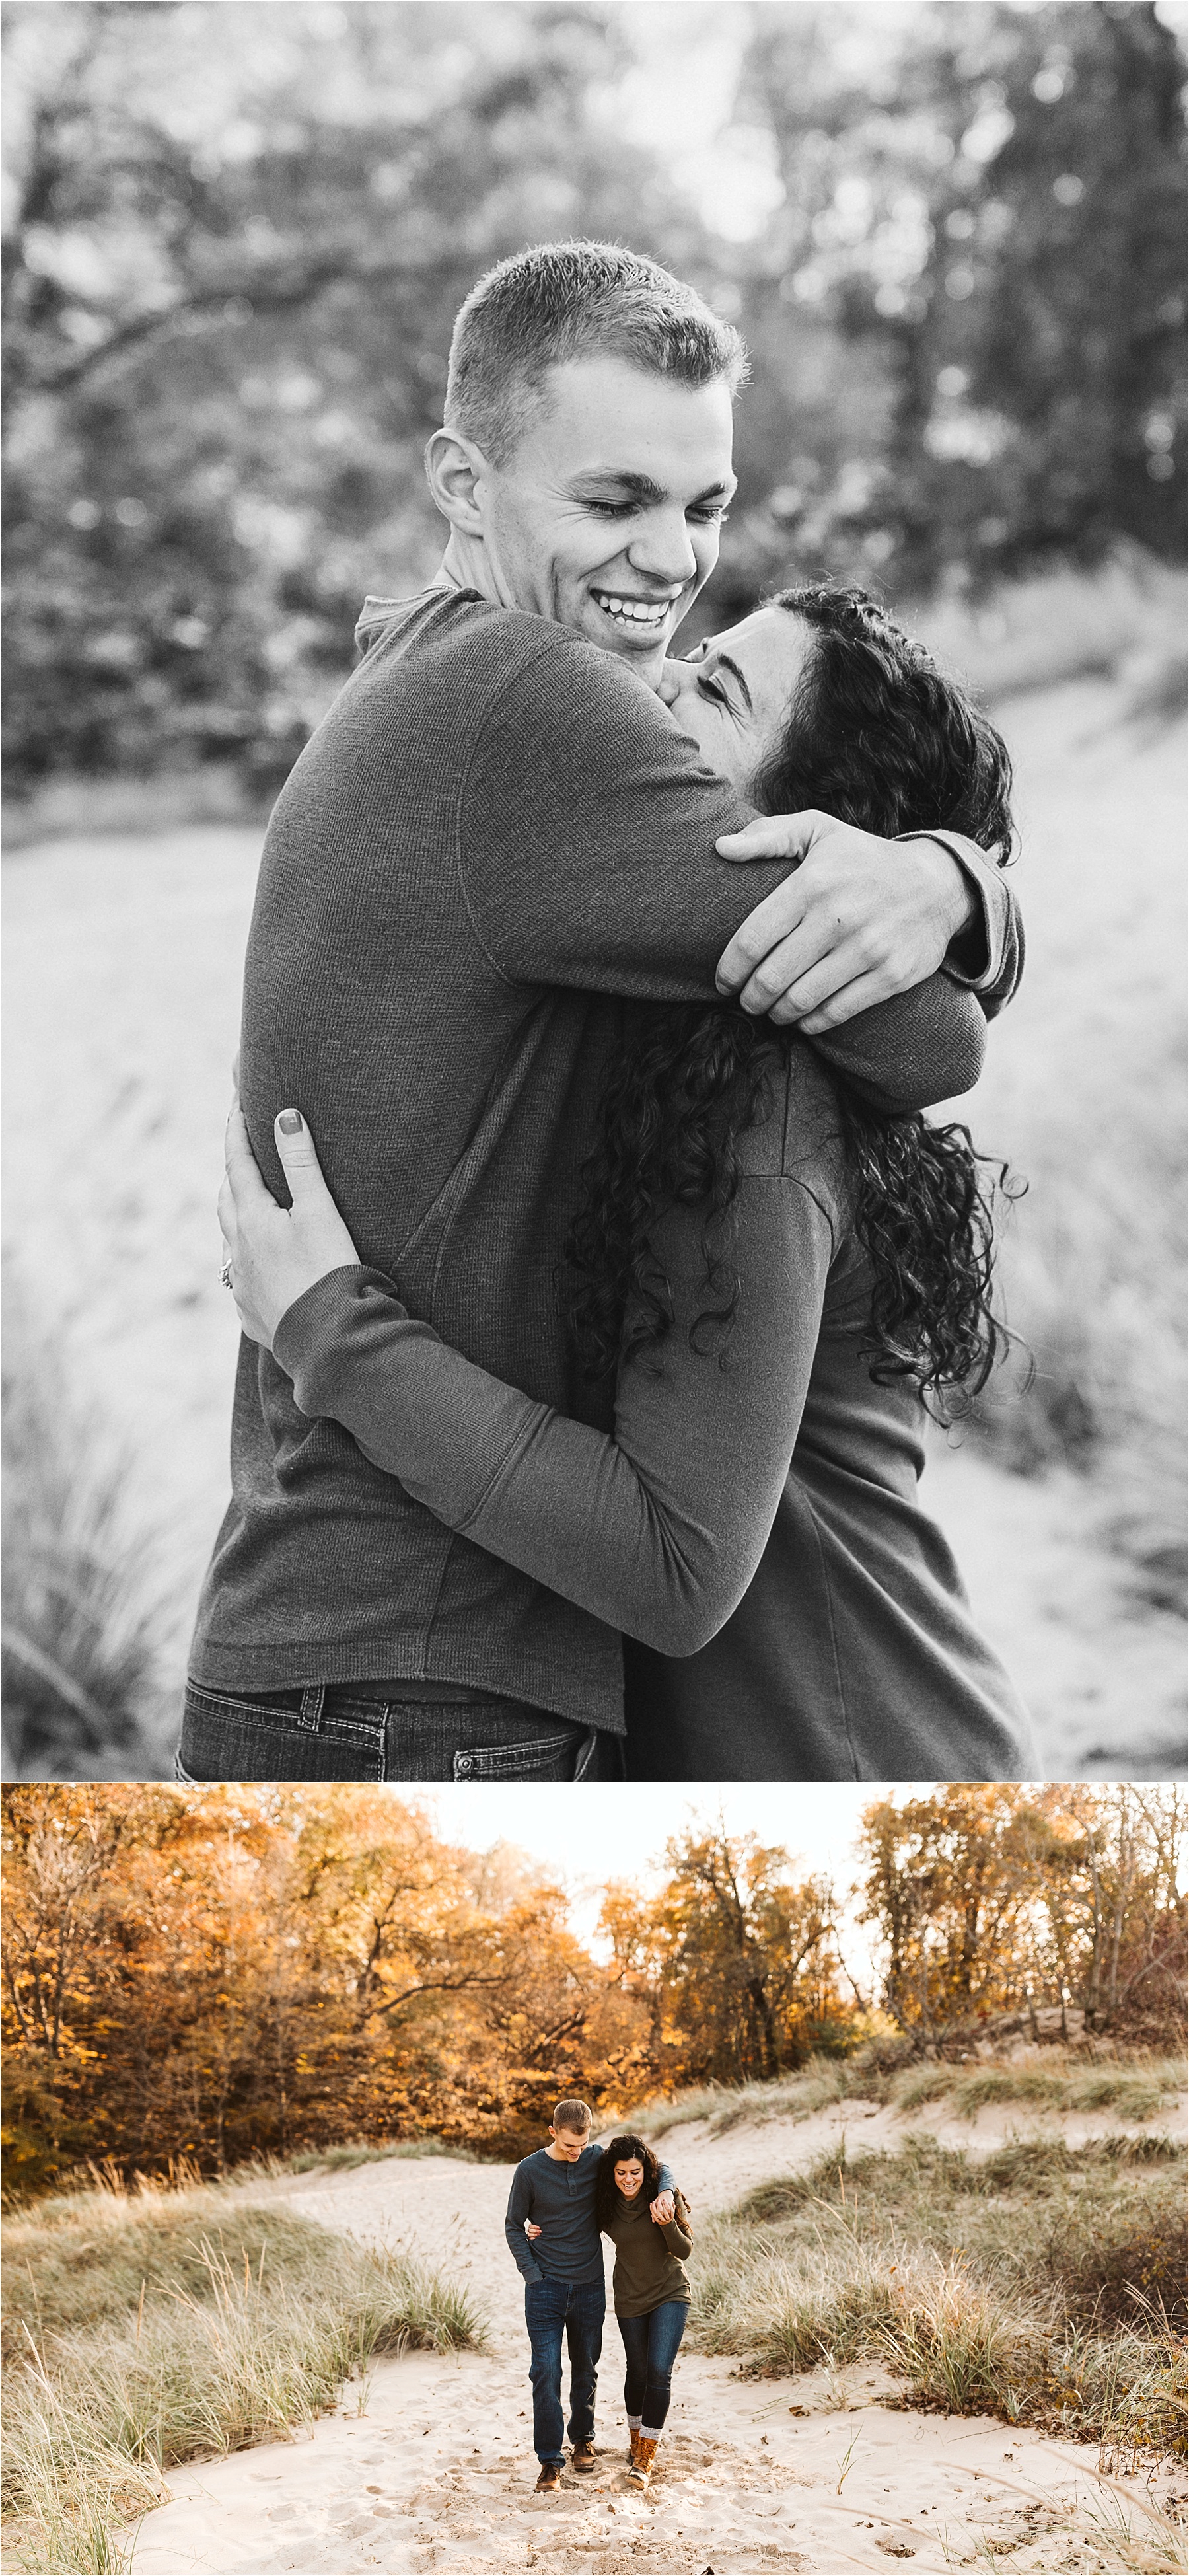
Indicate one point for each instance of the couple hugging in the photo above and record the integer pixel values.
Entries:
(595, 1262)
(559, 2201)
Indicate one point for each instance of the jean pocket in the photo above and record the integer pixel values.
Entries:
(550, 1757)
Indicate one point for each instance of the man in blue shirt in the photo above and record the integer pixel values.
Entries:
(552, 2202)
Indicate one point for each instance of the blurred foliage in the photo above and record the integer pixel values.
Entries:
(237, 239)
(226, 1971)
(992, 1898)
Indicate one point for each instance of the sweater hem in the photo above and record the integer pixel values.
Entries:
(263, 1668)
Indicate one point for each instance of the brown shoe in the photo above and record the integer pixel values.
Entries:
(549, 2482)
(633, 2438)
(641, 2468)
(582, 2458)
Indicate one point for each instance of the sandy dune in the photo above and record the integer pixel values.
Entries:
(431, 2466)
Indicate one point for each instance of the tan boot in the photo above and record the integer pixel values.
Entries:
(641, 2468)
(633, 2439)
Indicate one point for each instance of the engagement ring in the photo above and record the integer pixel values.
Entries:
(225, 1273)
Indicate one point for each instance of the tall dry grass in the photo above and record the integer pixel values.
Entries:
(142, 2331)
(1061, 2080)
(84, 1693)
(1044, 2284)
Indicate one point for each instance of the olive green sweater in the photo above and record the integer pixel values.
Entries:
(648, 2264)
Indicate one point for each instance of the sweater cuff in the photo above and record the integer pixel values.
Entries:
(307, 1343)
(976, 958)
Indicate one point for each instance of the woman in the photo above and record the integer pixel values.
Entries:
(649, 2288)
(775, 1282)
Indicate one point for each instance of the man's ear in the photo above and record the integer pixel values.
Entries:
(456, 471)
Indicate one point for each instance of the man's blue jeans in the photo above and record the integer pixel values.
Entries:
(576, 2308)
(330, 1731)
(650, 2344)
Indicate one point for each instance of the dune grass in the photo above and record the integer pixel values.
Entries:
(344, 2158)
(1043, 2283)
(1059, 2080)
(142, 2332)
(83, 1601)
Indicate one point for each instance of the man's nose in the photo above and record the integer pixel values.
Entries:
(663, 548)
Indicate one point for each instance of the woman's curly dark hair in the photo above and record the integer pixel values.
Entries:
(879, 737)
(620, 2151)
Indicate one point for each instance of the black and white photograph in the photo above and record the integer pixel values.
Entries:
(594, 1256)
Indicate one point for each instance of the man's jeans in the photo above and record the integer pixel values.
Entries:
(650, 2344)
(334, 1732)
(578, 2307)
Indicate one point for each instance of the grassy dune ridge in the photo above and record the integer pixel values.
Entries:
(1064, 2080)
(140, 2332)
(1041, 2283)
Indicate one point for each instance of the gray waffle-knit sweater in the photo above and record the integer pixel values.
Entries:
(752, 1523)
(495, 834)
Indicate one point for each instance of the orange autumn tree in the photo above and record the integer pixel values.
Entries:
(992, 1899)
(736, 1961)
(234, 1971)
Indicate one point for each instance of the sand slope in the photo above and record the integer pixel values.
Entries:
(431, 2466)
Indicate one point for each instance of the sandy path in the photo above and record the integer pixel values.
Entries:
(431, 2468)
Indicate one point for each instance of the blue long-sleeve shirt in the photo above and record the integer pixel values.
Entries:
(560, 2200)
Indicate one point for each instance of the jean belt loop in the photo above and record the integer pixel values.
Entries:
(313, 1701)
(588, 1754)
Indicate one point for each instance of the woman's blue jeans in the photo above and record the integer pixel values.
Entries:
(650, 2344)
(575, 2309)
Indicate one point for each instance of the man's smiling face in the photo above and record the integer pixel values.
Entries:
(606, 515)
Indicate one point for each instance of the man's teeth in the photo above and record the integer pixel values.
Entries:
(637, 612)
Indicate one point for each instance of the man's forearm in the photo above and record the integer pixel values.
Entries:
(922, 1046)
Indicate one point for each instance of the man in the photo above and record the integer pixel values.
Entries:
(553, 2196)
(496, 831)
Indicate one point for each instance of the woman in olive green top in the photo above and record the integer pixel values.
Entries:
(650, 2288)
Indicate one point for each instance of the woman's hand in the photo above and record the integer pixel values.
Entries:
(529, 2228)
(662, 2209)
(277, 1253)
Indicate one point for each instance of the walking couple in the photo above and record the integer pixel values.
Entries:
(595, 1262)
(559, 2201)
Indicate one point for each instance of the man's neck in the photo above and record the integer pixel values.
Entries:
(466, 565)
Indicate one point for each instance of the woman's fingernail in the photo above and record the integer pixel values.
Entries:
(289, 1122)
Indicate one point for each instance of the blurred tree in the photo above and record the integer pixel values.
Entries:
(247, 1970)
(987, 212)
(993, 1899)
(237, 240)
(736, 1961)
(230, 277)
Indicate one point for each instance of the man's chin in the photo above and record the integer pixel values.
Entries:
(644, 654)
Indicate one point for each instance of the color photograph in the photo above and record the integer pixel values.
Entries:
(328, 2110)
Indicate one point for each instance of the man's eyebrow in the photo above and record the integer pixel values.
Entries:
(641, 486)
(644, 488)
(722, 661)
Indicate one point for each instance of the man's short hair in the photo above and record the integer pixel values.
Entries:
(564, 300)
(574, 2116)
